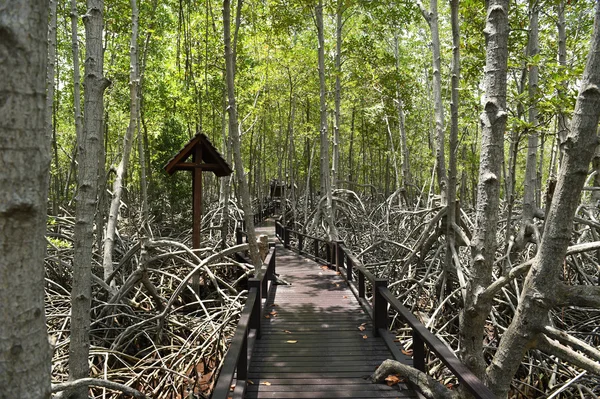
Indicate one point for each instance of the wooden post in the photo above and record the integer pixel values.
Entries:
(196, 211)
(380, 306)
(418, 351)
(361, 284)
(242, 366)
(316, 245)
(238, 236)
(349, 265)
(339, 255)
(197, 148)
(197, 198)
(300, 243)
(256, 308)
(286, 237)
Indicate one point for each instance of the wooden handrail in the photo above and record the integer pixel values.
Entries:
(382, 298)
(237, 351)
(464, 375)
(237, 358)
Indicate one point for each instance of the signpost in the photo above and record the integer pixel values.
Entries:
(205, 157)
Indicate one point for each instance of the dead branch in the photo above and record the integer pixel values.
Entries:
(85, 382)
(430, 388)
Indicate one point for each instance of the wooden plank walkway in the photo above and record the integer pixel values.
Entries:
(311, 344)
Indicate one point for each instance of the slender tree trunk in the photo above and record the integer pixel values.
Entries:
(351, 151)
(483, 244)
(50, 131)
(406, 177)
(325, 181)
(226, 180)
(25, 355)
(529, 202)
(115, 204)
(563, 119)
(454, 104)
(339, 24)
(90, 147)
(234, 133)
(438, 108)
(76, 87)
(542, 289)
(142, 138)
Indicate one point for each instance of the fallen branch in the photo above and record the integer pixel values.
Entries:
(429, 387)
(95, 382)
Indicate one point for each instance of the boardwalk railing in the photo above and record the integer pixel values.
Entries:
(259, 216)
(337, 254)
(237, 358)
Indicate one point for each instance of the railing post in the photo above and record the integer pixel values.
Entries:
(418, 348)
(316, 248)
(238, 236)
(380, 306)
(339, 255)
(242, 366)
(349, 265)
(300, 244)
(256, 308)
(286, 237)
(264, 281)
(328, 253)
(272, 264)
(361, 284)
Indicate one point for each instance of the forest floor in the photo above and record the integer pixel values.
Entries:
(167, 338)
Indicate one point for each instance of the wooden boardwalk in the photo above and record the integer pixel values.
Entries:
(317, 341)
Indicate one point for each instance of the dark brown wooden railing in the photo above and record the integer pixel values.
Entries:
(259, 216)
(382, 301)
(237, 358)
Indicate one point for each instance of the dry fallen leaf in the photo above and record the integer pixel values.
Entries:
(365, 336)
(287, 331)
(392, 380)
(362, 327)
(291, 342)
(267, 383)
(273, 313)
(345, 296)
(232, 387)
(267, 317)
(407, 352)
(250, 382)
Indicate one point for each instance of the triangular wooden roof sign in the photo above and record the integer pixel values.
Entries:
(211, 159)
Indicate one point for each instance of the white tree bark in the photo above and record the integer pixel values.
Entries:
(405, 161)
(431, 17)
(90, 147)
(113, 216)
(50, 73)
(542, 288)
(234, 133)
(563, 119)
(339, 25)
(76, 73)
(530, 184)
(24, 162)
(452, 172)
(325, 181)
(483, 244)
